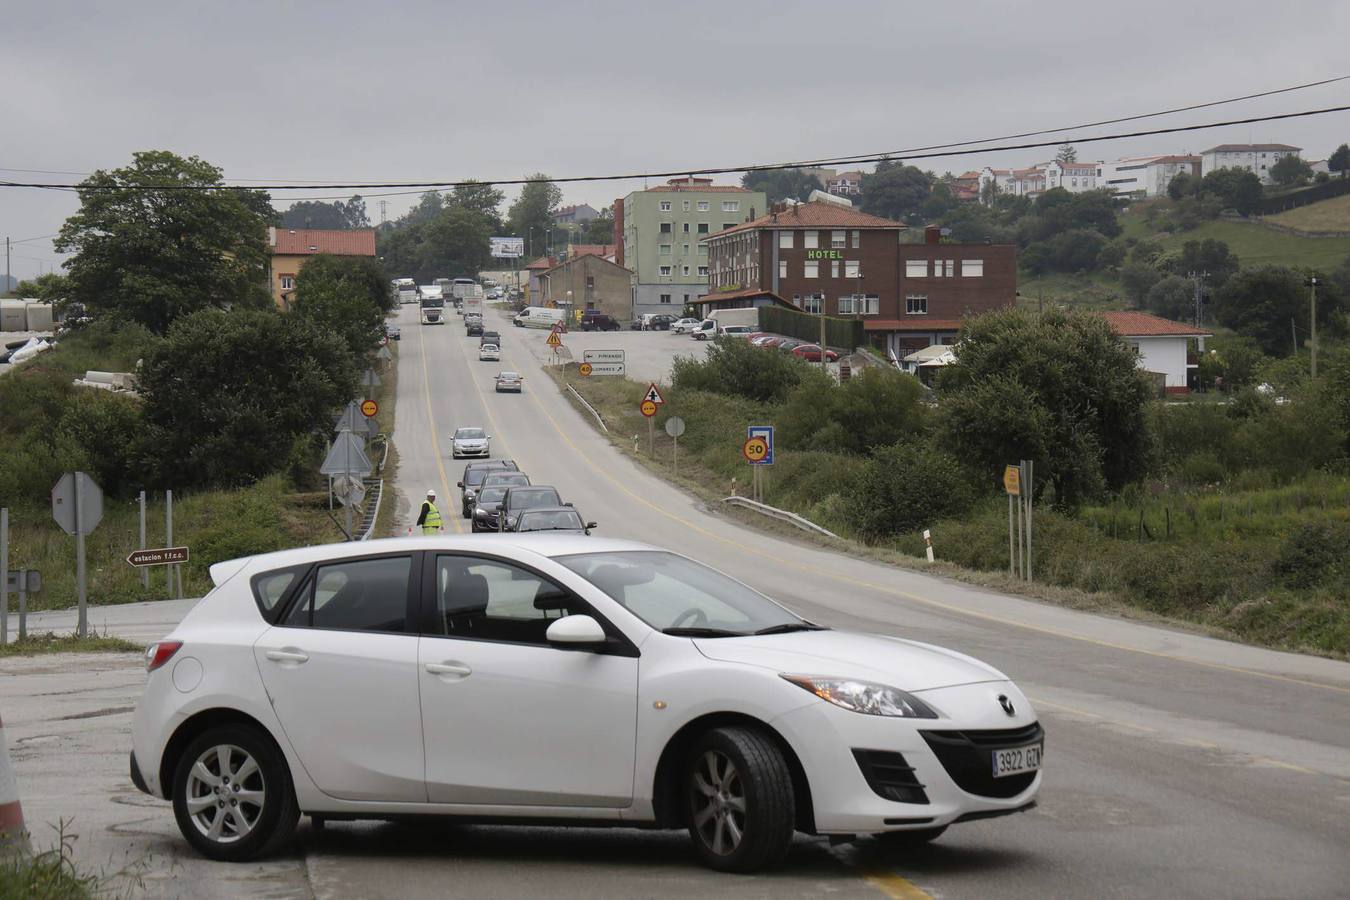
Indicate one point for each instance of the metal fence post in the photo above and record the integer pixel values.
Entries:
(23, 604)
(4, 576)
(168, 537)
(145, 570)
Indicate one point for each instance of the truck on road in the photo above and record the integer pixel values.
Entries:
(433, 304)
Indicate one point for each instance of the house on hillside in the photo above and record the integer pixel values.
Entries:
(577, 214)
(1165, 347)
(288, 248)
(1258, 158)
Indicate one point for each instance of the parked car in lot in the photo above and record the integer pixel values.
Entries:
(811, 353)
(512, 679)
(788, 344)
(509, 382)
(684, 326)
(523, 497)
(472, 479)
(736, 331)
(558, 518)
(653, 322)
(469, 441)
(765, 340)
(704, 330)
(489, 352)
(598, 321)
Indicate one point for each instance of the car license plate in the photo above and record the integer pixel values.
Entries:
(1017, 760)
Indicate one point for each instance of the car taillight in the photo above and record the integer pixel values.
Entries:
(159, 653)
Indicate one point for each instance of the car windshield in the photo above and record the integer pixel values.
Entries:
(469, 434)
(506, 479)
(490, 496)
(669, 592)
(550, 520)
(534, 497)
(475, 476)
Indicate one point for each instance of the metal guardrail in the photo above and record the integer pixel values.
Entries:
(603, 426)
(781, 515)
(374, 513)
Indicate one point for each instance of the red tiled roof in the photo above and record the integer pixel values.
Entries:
(543, 262)
(915, 324)
(1137, 324)
(308, 241)
(1247, 148)
(592, 249)
(819, 214)
(598, 258)
(713, 188)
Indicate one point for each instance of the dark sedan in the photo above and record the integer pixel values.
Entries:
(557, 518)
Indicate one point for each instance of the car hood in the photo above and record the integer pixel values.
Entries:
(908, 665)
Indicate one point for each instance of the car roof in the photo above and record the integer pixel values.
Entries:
(492, 464)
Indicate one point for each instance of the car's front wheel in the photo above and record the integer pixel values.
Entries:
(740, 800)
(232, 794)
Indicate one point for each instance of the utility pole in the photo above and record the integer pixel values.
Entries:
(1312, 322)
(384, 205)
(7, 264)
(1198, 278)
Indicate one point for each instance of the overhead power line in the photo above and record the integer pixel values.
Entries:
(675, 173)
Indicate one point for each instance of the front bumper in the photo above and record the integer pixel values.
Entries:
(465, 452)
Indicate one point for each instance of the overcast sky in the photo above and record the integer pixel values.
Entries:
(436, 90)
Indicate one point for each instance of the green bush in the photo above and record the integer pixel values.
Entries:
(736, 368)
(906, 486)
(1314, 553)
(875, 408)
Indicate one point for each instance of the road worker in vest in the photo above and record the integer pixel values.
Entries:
(430, 517)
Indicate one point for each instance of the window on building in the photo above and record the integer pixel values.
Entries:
(685, 206)
(812, 269)
(812, 303)
(916, 268)
(665, 206)
(684, 249)
(834, 268)
(702, 249)
(852, 268)
(684, 270)
(666, 228)
(665, 249)
(665, 270)
(972, 268)
(590, 282)
(871, 305)
(857, 238)
(731, 206)
(846, 305)
(949, 267)
(785, 240)
(1073, 182)
(916, 305)
(726, 225)
(288, 282)
(702, 271)
(838, 239)
(665, 298)
(360, 595)
(782, 268)
(703, 206)
(811, 239)
(702, 227)
(685, 228)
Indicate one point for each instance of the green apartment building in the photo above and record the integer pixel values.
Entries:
(660, 233)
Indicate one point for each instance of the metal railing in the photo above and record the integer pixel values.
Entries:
(603, 426)
(374, 511)
(781, 515)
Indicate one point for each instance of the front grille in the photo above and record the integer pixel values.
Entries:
(968, 758)
(890, 776)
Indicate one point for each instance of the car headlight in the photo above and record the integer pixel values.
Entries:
(866, 697)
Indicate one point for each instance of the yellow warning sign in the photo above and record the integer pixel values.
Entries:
(553, 339)
(1012, 480)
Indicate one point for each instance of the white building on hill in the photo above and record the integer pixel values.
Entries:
(1256, 158)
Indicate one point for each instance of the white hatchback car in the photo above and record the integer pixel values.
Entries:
(559, 678)
(489, 352)
(469, 442)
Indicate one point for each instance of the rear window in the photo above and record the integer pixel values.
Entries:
(270, 588)
(535, 497)
(355, 595)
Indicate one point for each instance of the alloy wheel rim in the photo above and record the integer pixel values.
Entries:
(719, 803)
(226, 793)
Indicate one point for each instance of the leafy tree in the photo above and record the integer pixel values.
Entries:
(1067, 153)
(1060, 389)
(975, 223)
(875, 408)
(600, 230)
(895, 191)
(1172, 298)
(940, 201)
(149, 250)
(1211, 256)
(483, 199)
(1138, 278)
(319, 214)
(1340, 160)
(1290, 170)
(1260, 303)
(345, 296)
(1057, 211)
(1237, 188)
(1183, 184)
(355, 210)
(456, 243)
(427, 208)
(48, 286)
(228, 394)
(782, 184)
(536, 207)
(735, 368)
(905, 487)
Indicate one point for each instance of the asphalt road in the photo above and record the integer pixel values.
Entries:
(1176, 764)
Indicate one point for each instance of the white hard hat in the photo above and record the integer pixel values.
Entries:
(431, 493)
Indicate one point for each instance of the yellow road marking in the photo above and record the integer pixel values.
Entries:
(894, 886)
(886, 589)
(435, 444)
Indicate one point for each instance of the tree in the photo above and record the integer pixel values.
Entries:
(940, 202)
(1183, 184)
(1210, 256)
(895, 191)
(48, 286)
(905, 487)
(227, 394)
(875, 408)
(535, 208)
(346, 296)
(483, 199)
(1067, 153)
(456, 243)
(1290, 170)
(1260, 303)
(600, 230)
(427, 208)
(1060, 389)
(782, 184)
(1236, 188)
(1172, 298)
(1340, 160)
(314, 214)
(1138, 278)
(355, 212)
(163, 237)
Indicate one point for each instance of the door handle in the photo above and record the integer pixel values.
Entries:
(294, 656)
(458, 669)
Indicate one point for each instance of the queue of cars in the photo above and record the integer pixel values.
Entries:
(496, 496)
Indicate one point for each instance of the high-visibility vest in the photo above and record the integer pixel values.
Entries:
(432, 523)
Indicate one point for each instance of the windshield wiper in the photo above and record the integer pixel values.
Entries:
(791, 626)
(690, 631)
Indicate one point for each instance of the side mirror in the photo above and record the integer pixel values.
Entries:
(459, 484)
(567, 504)
(590, 525)
(575, 631)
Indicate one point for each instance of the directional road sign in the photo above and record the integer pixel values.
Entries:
(162, 557)
(600, 368)
(653, 395)
(648, 408)
(90, 503)
(602, 356)
(764, 433)
(369, 408)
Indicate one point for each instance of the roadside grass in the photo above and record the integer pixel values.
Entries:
(53, 874)
(1259, 564)
(1328, 215)
(1253, 243)
(39, 644)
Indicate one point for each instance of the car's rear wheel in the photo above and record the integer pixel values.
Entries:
(917, 838)
(232, 794)
(740, 801)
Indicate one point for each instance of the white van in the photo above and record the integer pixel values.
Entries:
(705, 330)
(538, 317)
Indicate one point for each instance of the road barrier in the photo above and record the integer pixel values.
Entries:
(13, 834)
(781, 515)
(603, 427)
(373, 510)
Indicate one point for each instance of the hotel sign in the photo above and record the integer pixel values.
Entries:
(824, 254)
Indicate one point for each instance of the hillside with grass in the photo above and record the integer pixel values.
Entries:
(1253, 242)
(1328, 216)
